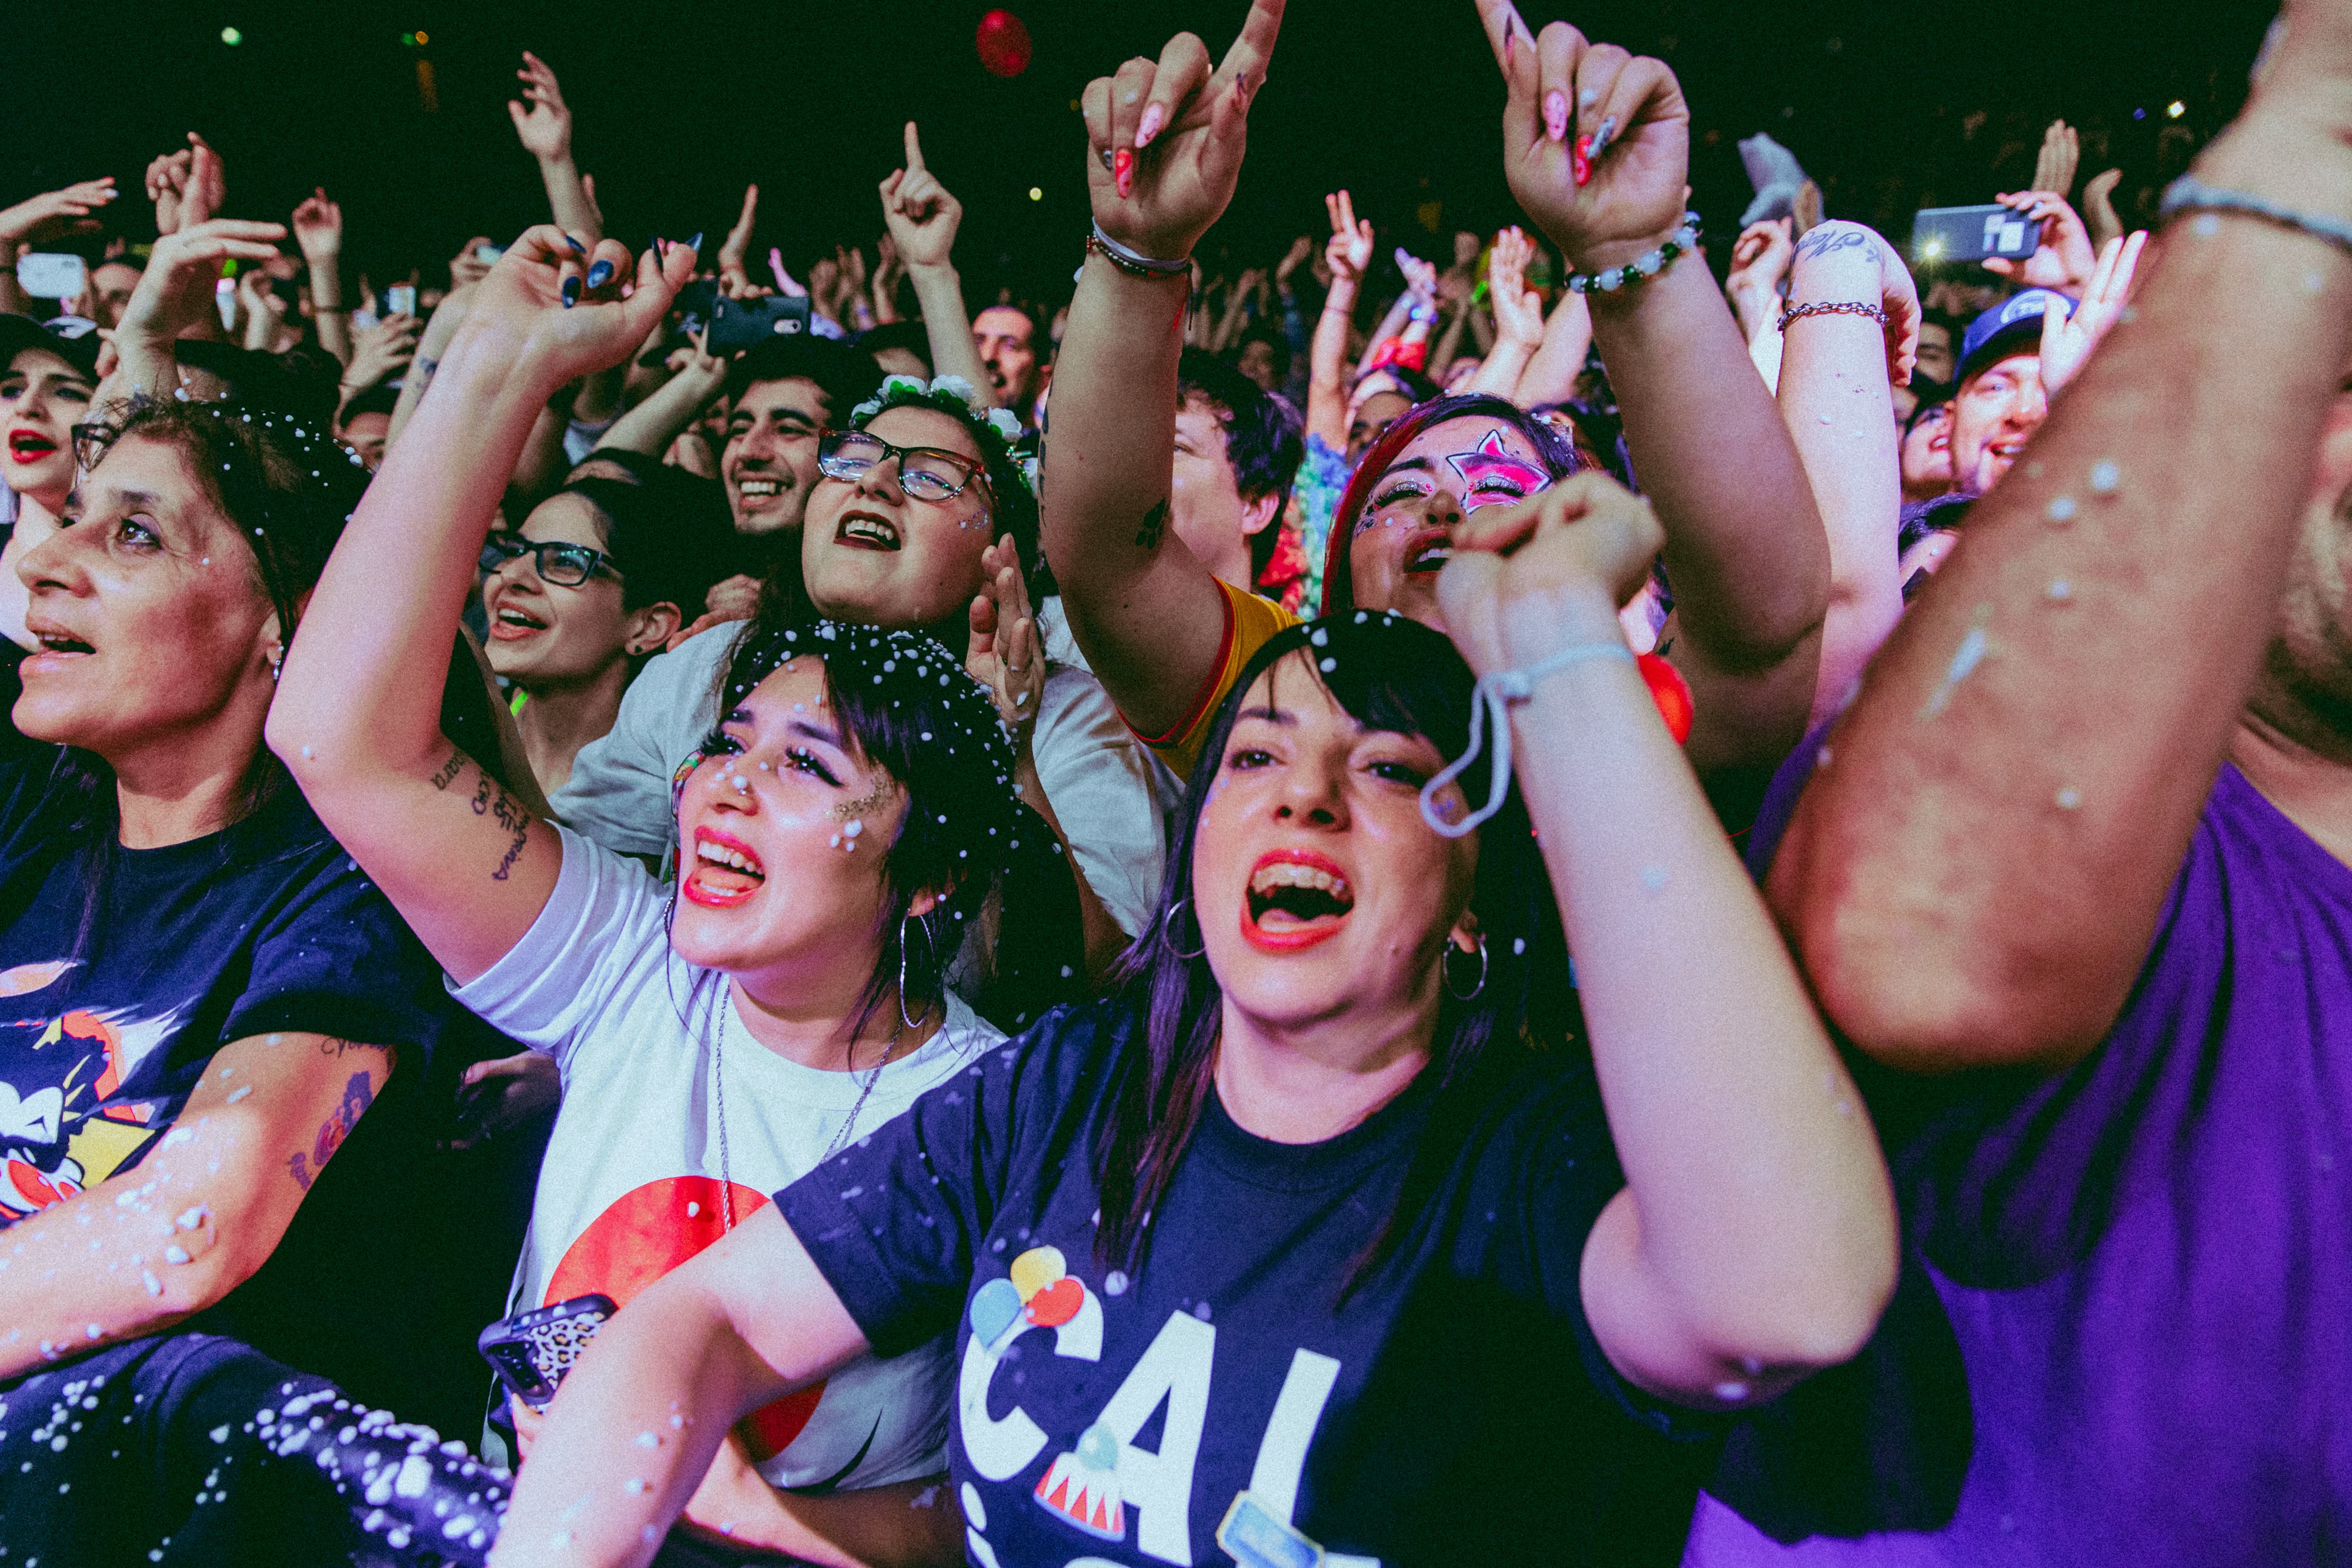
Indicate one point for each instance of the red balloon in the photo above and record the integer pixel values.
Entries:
(1003, 43)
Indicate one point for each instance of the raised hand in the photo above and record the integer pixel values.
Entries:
(382, 351)
(174, 297)
(319, 228)
(1302, 250)
(1759, 260)
(1518, 310)
(2062, 151)
(1165, 138)
(1349, 252)
(545, 128)
(557, 308)
(467, 265)
(1847, 261)
(2063, 260)
(1509, 590)
(167, 182)
(206, 192)
(737, 246)
(2099, 207)
(2067, 339)
(922, 216)
(1420, 277)
(1596, 140)
(1004, 654)
(55, 214)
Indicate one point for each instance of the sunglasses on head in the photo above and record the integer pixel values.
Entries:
(565, 565)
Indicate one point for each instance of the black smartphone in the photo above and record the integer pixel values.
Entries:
(1972, 234)
(695, 302)
(531, 1350)
(737, 324)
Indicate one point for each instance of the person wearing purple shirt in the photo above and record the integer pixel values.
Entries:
(2075, 875)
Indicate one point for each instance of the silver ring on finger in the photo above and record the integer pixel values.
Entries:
(1106, 159)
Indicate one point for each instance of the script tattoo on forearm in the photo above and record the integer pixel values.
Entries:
(359, 1093)
(1824, 241)
(1155, 524)
(490, 799)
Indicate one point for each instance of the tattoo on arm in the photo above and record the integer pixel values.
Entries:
(490, 799)
(1155, 524)
(359, 1093)
(1824, 241)
(447, 772)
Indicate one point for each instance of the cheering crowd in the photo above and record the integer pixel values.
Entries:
(651, 912)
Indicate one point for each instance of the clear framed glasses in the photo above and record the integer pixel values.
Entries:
(565, 565)
(924, 472)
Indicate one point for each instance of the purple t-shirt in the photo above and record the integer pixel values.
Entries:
(2125, 1332)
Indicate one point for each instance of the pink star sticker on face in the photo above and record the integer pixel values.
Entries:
(1493, 460)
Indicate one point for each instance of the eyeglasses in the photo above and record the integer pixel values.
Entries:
(565, 565)
(924, 472)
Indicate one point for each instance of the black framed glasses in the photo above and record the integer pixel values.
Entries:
(565, 565)
(924, 472)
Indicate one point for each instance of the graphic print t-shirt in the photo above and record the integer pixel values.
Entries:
(265, 927)
(1224, 1402)
(635, 1182)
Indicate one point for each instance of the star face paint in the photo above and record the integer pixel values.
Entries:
(1491, 475)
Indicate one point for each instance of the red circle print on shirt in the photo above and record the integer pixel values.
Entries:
(643, 1235)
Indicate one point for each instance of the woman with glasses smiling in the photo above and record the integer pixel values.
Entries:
(593, 585)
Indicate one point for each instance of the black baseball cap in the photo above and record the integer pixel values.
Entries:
(18, 333)
(2011, 327)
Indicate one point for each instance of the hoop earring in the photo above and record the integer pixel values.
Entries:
(1446, 964)
(1168, 932)
(924, 926)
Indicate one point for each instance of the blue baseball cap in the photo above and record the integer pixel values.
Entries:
(2013, 324)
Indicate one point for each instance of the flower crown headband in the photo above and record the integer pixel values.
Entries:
(997, 428)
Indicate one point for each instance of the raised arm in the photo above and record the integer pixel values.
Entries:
(1146, 610)
(467, 865)
(53, 214)
(545, 131)
(1518, 316)
(1551, 375)
(319, 230)
(174, 300)
(923, 218)
(744, 1322)
(1976, 878)
(1348, 253)
(673, 407)
(1838, 370)
(1745, 550)
(1754, 1243)
(200, 1214)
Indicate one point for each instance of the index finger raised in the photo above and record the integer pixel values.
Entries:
(914, 150)
(1255, 46)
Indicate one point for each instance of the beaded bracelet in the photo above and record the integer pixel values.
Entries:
(1832, 307)
(1134, 263)
(1647, 264)
(2188, 194)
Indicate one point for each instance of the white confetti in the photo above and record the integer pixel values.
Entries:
(2105, 476)
(2061, 509)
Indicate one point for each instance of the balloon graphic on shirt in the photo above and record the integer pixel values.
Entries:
(1082, 1485)
(643, 1235)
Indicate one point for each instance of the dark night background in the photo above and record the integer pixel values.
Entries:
(1890, 108)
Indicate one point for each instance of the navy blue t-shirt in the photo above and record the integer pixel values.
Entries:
(110, 1015)
(1234, 1398)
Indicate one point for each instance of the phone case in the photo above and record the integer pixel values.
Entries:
(1972, 234)
(531, 1350)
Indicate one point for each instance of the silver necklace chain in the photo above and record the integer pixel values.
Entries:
(718, 1104)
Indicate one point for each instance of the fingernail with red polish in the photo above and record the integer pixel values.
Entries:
(1556, 115)
(1154, 116)
(1122, 171)
(1580, 159)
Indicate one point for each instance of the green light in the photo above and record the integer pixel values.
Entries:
(231, 36)
(409, 39)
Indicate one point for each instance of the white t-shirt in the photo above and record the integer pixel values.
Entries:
(1110, 794)
(632, 1183)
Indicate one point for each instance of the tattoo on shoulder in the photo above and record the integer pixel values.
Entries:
(359, 1093)
(1824, 241)
(1155, 524)
(330, 1046)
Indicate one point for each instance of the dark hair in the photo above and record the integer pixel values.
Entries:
(911, 336)
(1559, 456)
(1417, 387)
(1932, 396)
(905, 705)
(1274, 338)
(1392, 674)
(668, 541)
(377, 399)
(842, 374)
(1262, 439)
(1038, 317)
(301, 381)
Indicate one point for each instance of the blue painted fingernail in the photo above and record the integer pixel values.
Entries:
(599, 273)
(575, 244)
(695, 244)
(571, 292)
